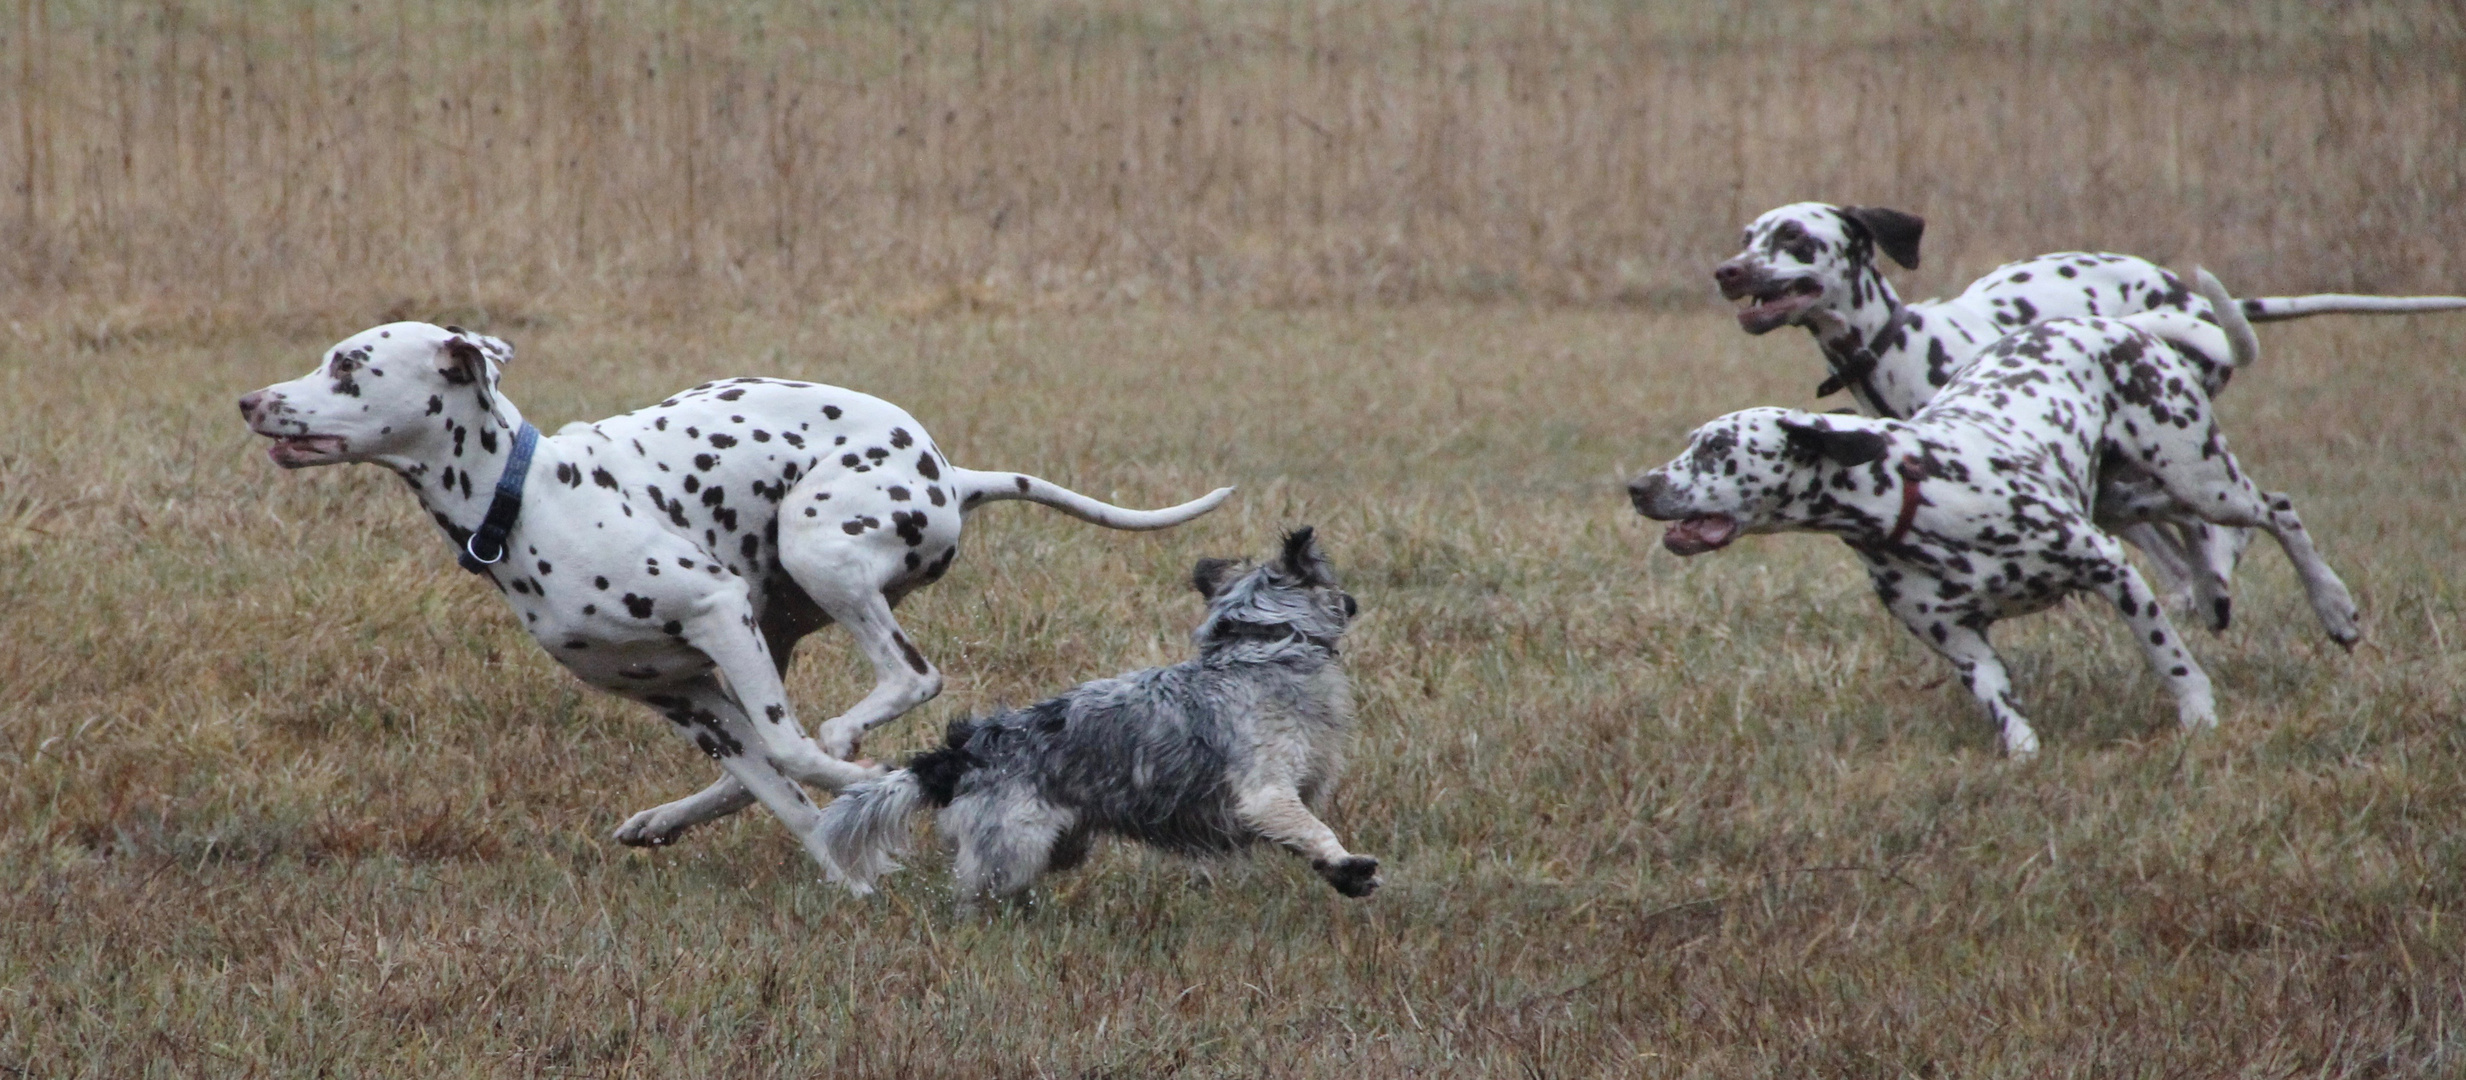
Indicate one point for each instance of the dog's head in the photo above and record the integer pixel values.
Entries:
(1807, 258)
(1753, 471)
(1290, 603)
(382, 391)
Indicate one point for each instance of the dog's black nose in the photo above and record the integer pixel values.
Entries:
(249, 403)
(1644, 490)
(1729, 274)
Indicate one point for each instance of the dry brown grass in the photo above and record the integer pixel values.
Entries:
(287, 794)
(168, 158)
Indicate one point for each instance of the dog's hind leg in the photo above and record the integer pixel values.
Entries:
(903, 678)
(1006, 838)
(2330, 599)
(2207, 478)
(1280, 815)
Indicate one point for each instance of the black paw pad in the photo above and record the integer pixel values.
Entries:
(1355, 876)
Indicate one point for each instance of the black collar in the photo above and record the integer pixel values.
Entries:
(502, 510)
(1860, 365)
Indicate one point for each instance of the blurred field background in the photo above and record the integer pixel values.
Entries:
(287, 794)
(295, 157)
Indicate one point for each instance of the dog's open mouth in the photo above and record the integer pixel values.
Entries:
(1774, 304)
(298, 451)
(1699, 534)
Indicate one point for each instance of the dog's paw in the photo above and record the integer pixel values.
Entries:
(2344, 622)
(650, 828)
(1356, 876)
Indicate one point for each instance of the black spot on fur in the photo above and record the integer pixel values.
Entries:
(915, 659)
(638, 606)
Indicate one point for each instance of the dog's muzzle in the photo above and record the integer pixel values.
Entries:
(1772, 302)
(1689, 533)
(1651, 494)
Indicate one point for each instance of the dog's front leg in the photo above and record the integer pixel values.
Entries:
(1280, 815)
(1982, 672)
(660, 825)
(709, 716)
(2195, 706)
(724, 631)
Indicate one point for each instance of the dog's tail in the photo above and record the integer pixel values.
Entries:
(2245, 345)
(2275, 308)
(867, 828)
(865, 831)
(977, 488)
(2222, 347)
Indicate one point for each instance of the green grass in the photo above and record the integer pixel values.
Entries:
(290, 795)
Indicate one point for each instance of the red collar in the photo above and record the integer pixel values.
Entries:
(1913, 471)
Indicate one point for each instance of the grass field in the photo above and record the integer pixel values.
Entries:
(290, 795)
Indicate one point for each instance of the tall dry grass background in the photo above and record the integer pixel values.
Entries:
(304, 156)
(283, 793)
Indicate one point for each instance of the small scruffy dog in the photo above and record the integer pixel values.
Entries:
(1200, 758)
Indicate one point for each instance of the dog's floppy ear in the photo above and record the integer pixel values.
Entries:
(467, 355)
(460, 359)
(1301, 561)
(1895, 232)
(1211, 576)
(1821, 439)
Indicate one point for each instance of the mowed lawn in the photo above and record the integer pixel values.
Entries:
(288, 794)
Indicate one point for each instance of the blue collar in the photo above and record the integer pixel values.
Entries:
(490, 536)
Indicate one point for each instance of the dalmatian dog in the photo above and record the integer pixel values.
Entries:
(1814, 265)
(676, 554)
(1986, 502)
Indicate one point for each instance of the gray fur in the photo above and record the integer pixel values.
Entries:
(1202, 757)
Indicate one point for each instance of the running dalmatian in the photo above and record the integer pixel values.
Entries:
(1986, 503)
(676, 554)
(1814, 265)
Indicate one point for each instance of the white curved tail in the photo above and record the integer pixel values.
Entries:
(2231, 316)
(977, 488)
(2275, 308)
(867, 828)
(2228, 342)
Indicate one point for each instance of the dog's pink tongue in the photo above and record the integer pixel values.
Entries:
(1765, 317)
(1697, 535)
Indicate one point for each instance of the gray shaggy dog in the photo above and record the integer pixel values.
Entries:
(1199, 758)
